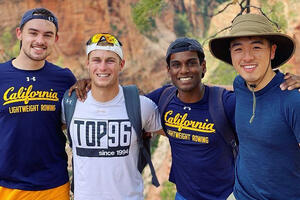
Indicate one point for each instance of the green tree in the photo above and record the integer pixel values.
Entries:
(10, 47)
(144, 13)
(182, 26)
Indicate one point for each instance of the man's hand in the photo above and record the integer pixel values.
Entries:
(81, 88)
(291, 82)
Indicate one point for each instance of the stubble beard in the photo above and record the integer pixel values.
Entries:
(36, 58)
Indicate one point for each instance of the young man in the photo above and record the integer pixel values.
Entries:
(267, 118)
(202, 162)
(107, 174)
(32, 146)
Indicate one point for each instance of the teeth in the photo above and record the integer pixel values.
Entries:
(38, 48)
(185, 78)
(102, 75)
(249, 66)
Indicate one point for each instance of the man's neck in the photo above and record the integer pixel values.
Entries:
(192, 96)
(102, 94)
(25, 63)
(262, 83)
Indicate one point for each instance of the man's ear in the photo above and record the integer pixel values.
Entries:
(273, 50)
(203, 65)
(56, 37)
(87, 64)
(122, 64)
(168, 68)
(19, 33)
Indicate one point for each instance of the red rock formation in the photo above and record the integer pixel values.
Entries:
(79, 19)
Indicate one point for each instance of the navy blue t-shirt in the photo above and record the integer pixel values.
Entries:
(202, 163)
(268, 163)
(32, 144)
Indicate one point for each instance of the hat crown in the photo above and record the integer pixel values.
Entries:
(250, 24)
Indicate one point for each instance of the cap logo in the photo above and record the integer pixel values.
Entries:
(50, 18)
(113, 44)
(102, 39)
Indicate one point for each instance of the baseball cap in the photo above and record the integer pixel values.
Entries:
(184, 44)
(39, 13)
(104, 41)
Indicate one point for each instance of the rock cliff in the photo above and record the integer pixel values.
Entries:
(79, 19)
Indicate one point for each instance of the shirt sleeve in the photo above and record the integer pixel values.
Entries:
(229, 106)
(71, 78)
(292, 112)
(155, 94)
(150, 115)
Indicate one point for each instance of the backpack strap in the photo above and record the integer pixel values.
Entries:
(133, 107)
(164, 99)
(69, 103)
(217, 112)
(69, 108)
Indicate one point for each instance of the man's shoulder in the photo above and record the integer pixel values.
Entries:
(147, 102)
(148, 107)
(290, 97)
(56, 68)
(156, 94)
(60, 72)
(4, 65)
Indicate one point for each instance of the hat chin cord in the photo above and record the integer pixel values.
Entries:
(253, 86)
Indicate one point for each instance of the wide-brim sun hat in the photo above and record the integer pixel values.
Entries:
(253, 25)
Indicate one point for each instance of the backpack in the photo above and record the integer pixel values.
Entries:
(216, 110)
(132, 103)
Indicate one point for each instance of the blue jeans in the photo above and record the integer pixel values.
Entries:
(179, 197)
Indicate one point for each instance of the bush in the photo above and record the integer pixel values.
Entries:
(144, 12)
(224, 74)
(182, 25)
(169, 191)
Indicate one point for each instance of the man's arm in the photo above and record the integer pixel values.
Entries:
(160, 132)
(81, 88)
(64, 127)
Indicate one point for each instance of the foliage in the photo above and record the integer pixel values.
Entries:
(182, 25)
(59, 61)
(144, 12)
(10, 47)
(275, 11)
(169, 191)
(204, 9)
(154, 143)
(224, 74)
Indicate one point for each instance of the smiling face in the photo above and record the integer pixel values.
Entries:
(251, 58)
(38, 37)
(186, 71)
(104, 67)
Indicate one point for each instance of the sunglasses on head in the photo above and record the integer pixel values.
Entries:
(103, 37)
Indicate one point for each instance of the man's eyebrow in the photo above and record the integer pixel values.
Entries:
(191, 59)
(111, 57)
(36, 30)
(252, 42)
(257, 42)
(174, 61)
(235, 44)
